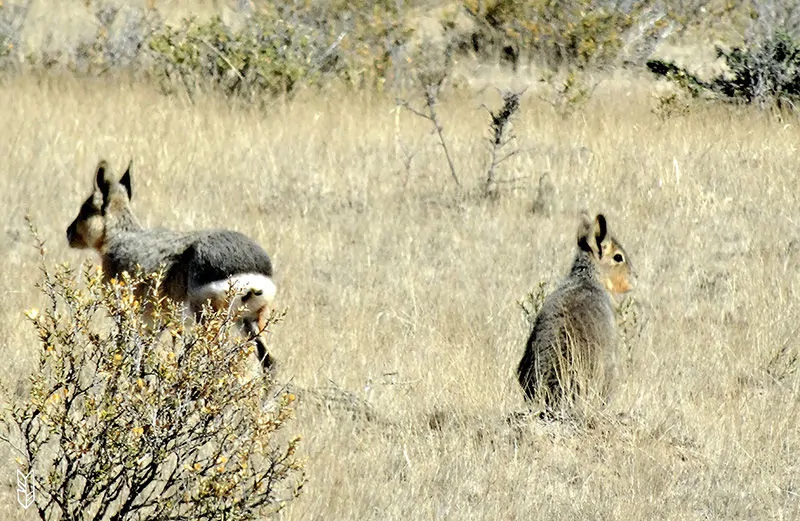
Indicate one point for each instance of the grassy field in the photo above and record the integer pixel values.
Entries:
(403, 330)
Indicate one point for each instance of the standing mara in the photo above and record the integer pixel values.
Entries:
(198, 266)
(570, 352)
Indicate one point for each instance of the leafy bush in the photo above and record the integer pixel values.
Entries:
(577, 33)
(765, 70)
(267, 55)
(266, 48)
(365, 40)
(766, 73)
(146, 418)
(671, 105)
(282, 46)
(502, 136)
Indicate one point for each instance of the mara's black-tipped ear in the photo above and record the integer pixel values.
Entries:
(585, 230)
(600, 232)
(126, 180)
(101, 177)
(584, 244)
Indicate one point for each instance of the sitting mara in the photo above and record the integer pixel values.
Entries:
(199, 267)
(571, 349)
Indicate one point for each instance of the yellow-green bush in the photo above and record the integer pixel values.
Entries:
(560, 33)
(135, 414)
(282, 46)
(268, 55)
(271, 48)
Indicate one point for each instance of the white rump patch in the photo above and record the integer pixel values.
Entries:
(256, 290)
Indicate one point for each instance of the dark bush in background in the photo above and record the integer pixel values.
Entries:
(765, 70)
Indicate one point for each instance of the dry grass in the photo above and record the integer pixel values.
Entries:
(403, 330)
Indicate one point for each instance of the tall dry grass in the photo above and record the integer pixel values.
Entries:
(403, 331)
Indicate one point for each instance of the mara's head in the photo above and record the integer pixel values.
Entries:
(108, 197)
(607, 254)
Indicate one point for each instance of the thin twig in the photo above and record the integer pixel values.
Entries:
(507, 156)
(408, 107)
(431, 97)
(224, 58)
(432, 82)
(328, 52)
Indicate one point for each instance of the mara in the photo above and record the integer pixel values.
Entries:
(198, 266)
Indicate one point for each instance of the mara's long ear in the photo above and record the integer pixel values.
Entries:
(585, 232)
(101, 180)
(600, 233)
(126, 180)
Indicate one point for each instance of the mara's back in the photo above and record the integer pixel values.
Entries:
(148, 249)
(570, 350)
(575, 323)
(219, 254)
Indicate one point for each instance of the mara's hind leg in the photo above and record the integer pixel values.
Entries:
(257, 301)
(253, 325)
(255, 329)
(254, 293)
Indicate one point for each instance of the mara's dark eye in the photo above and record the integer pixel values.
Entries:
(618, 257)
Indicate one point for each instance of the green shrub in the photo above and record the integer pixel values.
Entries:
(267, 55)
(267, 49)
(281, 47)
(134, 418)
(766, 73)
(365, 40)
(576, 33)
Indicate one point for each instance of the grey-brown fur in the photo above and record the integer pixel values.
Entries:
(190, 260)
(571, 346)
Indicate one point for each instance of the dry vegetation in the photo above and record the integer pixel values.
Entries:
(403, 329)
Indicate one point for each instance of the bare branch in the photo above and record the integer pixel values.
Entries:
(501, 135)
